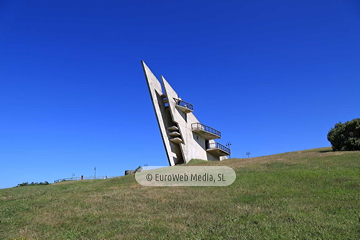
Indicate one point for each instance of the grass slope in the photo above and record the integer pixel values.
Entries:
(312, 194)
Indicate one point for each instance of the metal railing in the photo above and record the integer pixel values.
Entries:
(199, 126)
(220, 146)
(184, 104)
(81, 178)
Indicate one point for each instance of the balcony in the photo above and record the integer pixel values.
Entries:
(176, 140)
(173, 128)
(205, 131)
(217, 149)
(184, 106)
(174, 134)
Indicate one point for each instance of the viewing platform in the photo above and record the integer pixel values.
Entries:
(218, 149)
(184, 106)
(205, 131)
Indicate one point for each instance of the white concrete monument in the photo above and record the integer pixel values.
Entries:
(184, 137)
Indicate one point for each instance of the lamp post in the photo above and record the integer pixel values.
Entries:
(95, 173)
(248, 154)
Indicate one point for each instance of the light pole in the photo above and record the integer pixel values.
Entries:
(95, 173)
(248, 154)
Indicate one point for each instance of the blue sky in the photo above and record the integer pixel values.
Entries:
(272, 76)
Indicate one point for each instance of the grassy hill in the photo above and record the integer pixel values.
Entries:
(312, 194)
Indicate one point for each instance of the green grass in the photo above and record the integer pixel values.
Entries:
(312, 194)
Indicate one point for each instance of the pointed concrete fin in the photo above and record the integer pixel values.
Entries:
(152, 81)
(168, 89)
(155, 90)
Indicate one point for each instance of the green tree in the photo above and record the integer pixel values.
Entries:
(345, 136)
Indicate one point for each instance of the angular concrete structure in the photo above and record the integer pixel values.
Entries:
(184, 137)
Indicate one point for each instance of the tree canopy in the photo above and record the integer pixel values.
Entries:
(345, 136)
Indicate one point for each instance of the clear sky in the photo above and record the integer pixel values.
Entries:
(272, 76)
